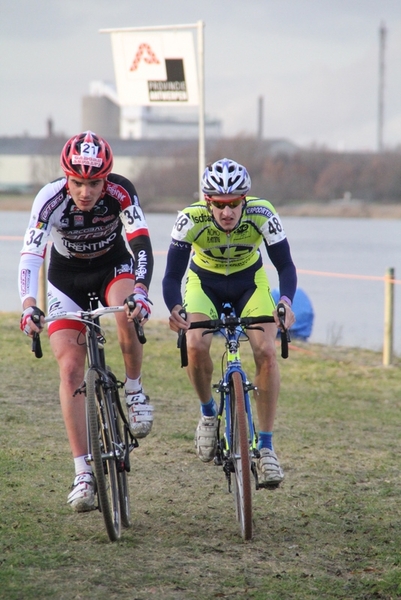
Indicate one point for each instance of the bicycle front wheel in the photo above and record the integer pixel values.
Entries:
(241, 456)
(102, 438)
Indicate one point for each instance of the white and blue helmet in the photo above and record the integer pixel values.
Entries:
(225, 176)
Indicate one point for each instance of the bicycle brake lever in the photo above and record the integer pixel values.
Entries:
(139, 331)
(36, 343)
(182, 340)
(284, 333)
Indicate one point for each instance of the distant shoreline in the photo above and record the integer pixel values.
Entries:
(338, 208)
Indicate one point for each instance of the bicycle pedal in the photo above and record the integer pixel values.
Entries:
(218, 461)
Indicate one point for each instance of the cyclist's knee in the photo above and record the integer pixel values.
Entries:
(265, 356)
(198, 352)
(71, 372)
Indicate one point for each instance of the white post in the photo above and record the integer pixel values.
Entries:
(201, 80)
(388, 317)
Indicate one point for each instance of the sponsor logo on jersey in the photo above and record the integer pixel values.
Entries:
(55, 306)
(259, 210)
(25, 281)
(84, 247)
(78, 220)
(125, 268)
(119, 193)
(93, 233)
(102, 219)
(233, 253)
(141, 266)
(201, 218)
(177, 244)
(99, 209)
(50, 207)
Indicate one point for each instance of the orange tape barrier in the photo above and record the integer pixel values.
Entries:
(345, 275)
(304, 271)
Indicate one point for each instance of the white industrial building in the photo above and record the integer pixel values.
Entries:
(102, 113)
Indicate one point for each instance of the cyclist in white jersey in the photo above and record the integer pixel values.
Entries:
(221, 236)
(85, 214)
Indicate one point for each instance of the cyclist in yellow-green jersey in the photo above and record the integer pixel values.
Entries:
(222, 235)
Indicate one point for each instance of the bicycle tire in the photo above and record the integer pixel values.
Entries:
(241, 456)
(124, 499)
(102, 440)
(123, 459)
(122, 475)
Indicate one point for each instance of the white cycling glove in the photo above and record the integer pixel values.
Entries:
(34, 313)
(139, 298)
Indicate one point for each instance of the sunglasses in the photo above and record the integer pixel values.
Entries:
(231, 204)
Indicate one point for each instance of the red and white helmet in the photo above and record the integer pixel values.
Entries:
(225, 176)
(87, 156)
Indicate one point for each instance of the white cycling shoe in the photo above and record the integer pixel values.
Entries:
(206, 438)
(140, 413)
(82, 495)
(270, 474)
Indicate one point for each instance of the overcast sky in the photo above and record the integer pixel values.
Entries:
(314, 62)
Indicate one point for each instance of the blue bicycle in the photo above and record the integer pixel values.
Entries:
(237, 447)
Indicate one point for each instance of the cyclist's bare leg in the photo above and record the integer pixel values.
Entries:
(200, 365)
(131, 348)
(267, 378)
(71, 360)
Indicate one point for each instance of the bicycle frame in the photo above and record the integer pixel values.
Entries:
(109, 441)
(223, 457)
(237, 448)
(96, 360)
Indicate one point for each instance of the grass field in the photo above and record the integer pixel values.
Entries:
(331, 531)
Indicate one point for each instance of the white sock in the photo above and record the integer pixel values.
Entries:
(133, 385)
(81, 466)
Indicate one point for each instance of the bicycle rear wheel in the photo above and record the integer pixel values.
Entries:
(103, 440)
(241, 456)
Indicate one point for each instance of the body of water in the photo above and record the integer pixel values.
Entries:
(349, 309)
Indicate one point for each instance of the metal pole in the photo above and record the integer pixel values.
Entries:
(201, 80)
(380, 117)
(388, 317)
(260, 118)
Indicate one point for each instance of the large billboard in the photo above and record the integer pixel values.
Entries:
(155, 68)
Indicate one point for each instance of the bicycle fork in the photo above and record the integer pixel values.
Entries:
(223, 457)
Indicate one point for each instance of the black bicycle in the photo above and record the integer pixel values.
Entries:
(237, 446)
(109, 438)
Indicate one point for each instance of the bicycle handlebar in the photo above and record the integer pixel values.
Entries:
(85, 316)
(233, 322)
